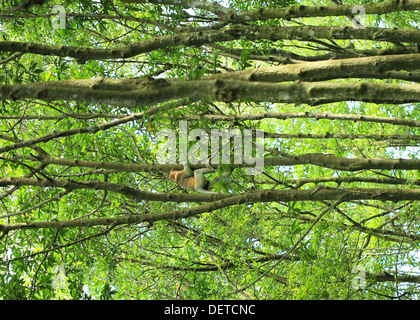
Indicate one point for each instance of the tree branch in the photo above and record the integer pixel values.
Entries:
(197, 38)
(365, 67)
(159, 90)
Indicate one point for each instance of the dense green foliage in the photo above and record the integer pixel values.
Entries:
(255, 248)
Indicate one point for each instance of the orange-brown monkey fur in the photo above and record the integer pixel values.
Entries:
(179, 178)
(193, 180)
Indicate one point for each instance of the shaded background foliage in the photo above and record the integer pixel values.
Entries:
(254, 250)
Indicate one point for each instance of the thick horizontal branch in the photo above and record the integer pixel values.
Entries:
(265, 195)
(288, 57)
(392, 277)
(365, 67)
(288, 12)
(247, 32)
(304, 115)
(394, 195)
(325, 11)
(151, 92)
(317, 159)
(345, 164)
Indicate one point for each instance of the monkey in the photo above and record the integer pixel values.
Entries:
(195, 180)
